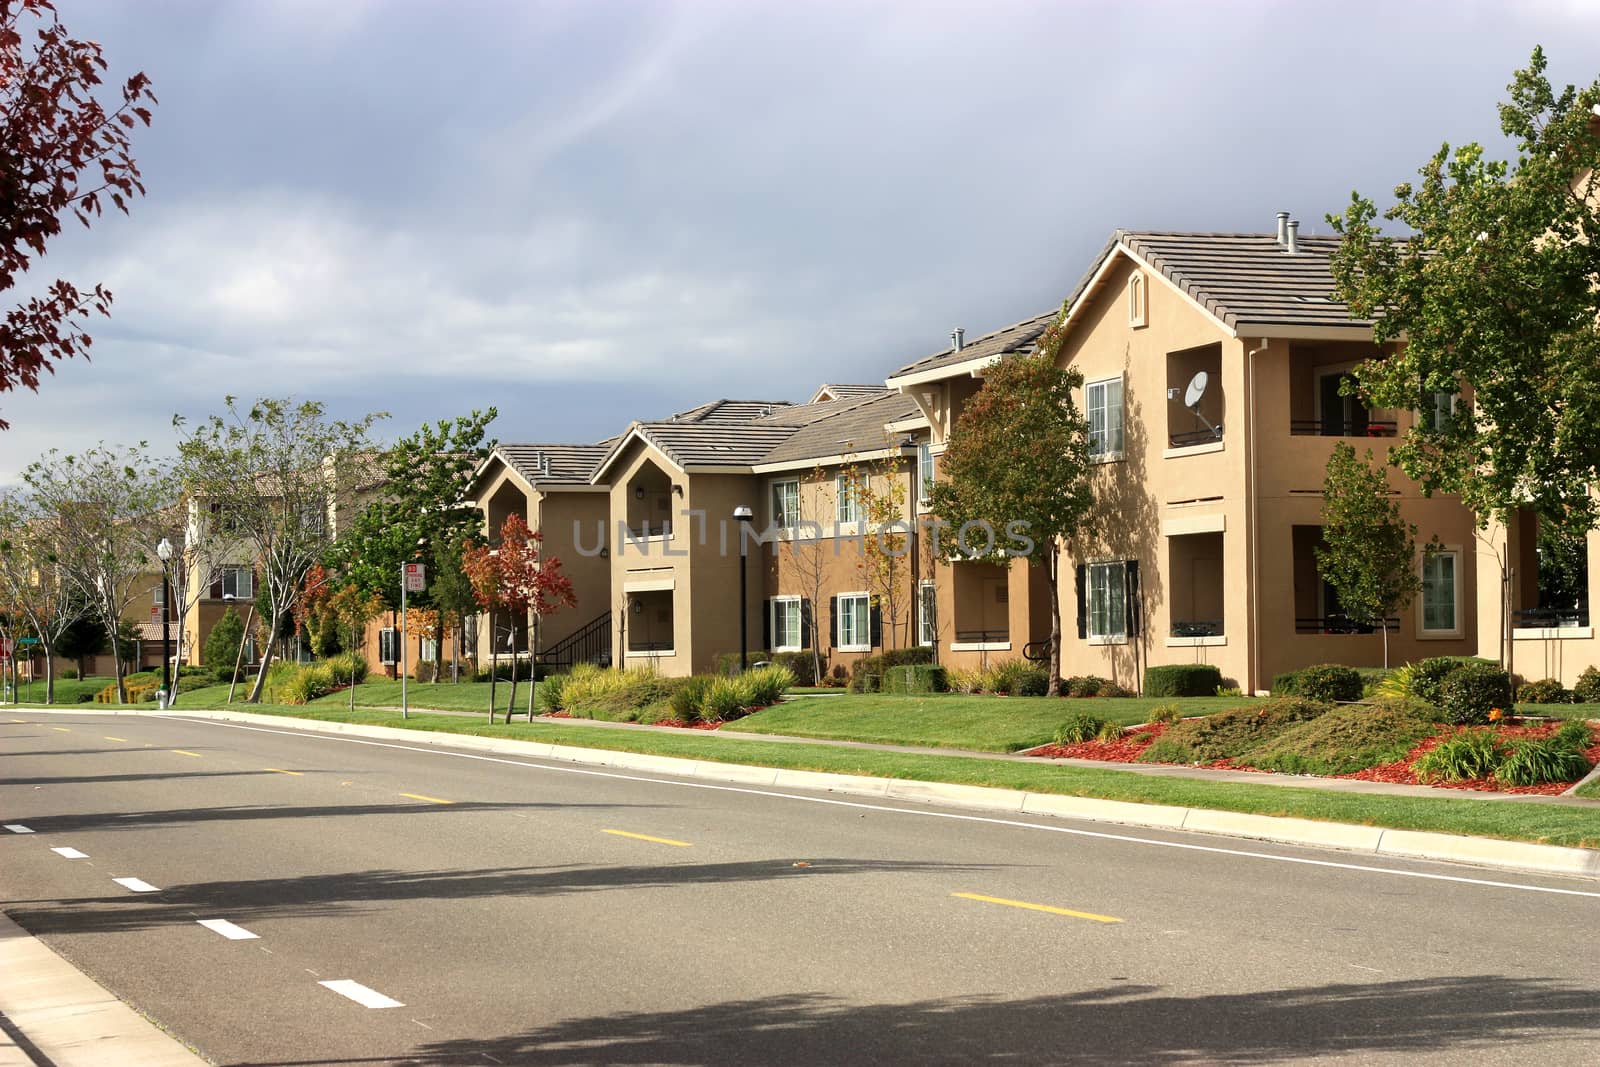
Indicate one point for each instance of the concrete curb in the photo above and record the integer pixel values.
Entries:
(1400, 844)
(68, 1018)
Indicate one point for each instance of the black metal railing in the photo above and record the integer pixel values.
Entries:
(1198, 628)
(1342, 428)
(1036, 651)
(1552, 618)
(983, 636)
(590, 644)
(644, 648)
(1194, 437)
(1342, 624)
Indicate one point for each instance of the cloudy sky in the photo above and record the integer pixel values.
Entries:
(588, 212)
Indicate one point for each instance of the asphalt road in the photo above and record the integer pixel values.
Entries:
(478, 910)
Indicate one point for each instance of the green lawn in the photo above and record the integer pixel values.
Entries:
(953, 720)
(1561, 711)
(1521, 821)
(1591, 790)
(67, 689)
(445, 695)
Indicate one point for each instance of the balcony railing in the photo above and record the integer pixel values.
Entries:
(1199, 628)
(640, 533)
(982, 636)
(1195, 437)
(1552, 618)
(646, 647)
(1342, 428)
(1341, 624)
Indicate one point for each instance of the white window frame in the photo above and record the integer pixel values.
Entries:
(848, 510)
(926, 475)
(1102, 439)
(1108, 590)
(782, 517)
(428, 650)
(1439, 418)
(796, 604)
(927, 621)
(1455, 629)
(863, 642)
(389, 645)
(249, 581)
(1138, 301)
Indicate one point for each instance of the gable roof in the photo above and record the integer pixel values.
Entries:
(1008, 340)
(855, 426)
(831, 391)
(543, 465)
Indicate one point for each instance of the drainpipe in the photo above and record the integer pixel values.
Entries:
(1254, 629)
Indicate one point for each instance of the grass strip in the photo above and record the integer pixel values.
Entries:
(1523, 820)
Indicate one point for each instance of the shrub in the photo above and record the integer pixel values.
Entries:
(837, 678)
(1396, 685)
(348, 664)
(1112, 689)
(306, 684)
(1468, 754)
(1575, 734)
(1229, 691)
(866, 673)
(69, 674)
(1078, 728)
(964, 681)
(1349, 738)
(1230, 734)
(221, 650)
(764, 685)
(596, 691)
(1017, 677)
(549, 695)
(1544, 691)
(1108, 732)
(1182, 680)
(1373, 678)
(1472, 690)
(922, 678)
(1286, 684)
(1587, 688)
(1330, 682)
(1084, 686)
(800, 664)
(721, 700)
(686, 701)
(425, 672)
(1166, 713)
(1427, 677)
(1533, 762)
(280, 674)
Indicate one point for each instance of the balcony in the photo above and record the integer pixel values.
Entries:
(1203, 628)
(1339, 623)
(1196, 586)
(1344, 426)
(1195, 402)
(982, 609)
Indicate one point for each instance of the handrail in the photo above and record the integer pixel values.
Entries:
(1197, 628)
(1342, 428)
(1342, 624)
(1553, 618)
(590, 643)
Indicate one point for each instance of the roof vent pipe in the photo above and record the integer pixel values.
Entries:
(1292, 244)
(958, 338)
(1283, 227)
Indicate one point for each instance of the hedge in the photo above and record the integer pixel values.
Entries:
(1182, 680)
(916, 678)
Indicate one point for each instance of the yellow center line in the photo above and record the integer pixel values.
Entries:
(647, 837)
(61, 729)
(1038, 907)
(186, 752)
(280, 770)
(110, 738)
(19, 720)
(430, 800)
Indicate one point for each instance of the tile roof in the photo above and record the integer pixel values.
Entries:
(832, 391)
(728, 411)
(553, 464)
(1245, 279)
(856, 426)
(1018, 337)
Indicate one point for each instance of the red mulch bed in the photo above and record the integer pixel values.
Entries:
(680, 724)
(1125, 749)
(555, 715)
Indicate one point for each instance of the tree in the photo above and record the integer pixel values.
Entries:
(1369, 553)
(60, 149)
(84, 638)
(221, 650)
(1492, 297)
(518, 578)
(1018, 460)
(354, 610)
(268, 478)
(808, 556)
(881, 494)
(451, 593)
(105, 507)
(36, 590)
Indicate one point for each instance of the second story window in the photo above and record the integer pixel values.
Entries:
(924, 470)
(786, 504)
(849, 506)
(238, 583)
(1104, 404)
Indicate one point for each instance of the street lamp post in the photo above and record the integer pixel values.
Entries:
(744, 515)
(164, 551)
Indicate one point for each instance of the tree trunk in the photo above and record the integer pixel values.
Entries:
(266, 661)
(49, 676)
(116, 667)
(511, 702)
(1052, 568)
(494, 665)
(1384, 623)
(533, 666)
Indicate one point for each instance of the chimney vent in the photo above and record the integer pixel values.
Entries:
(958, 338)
(1292, 245)
(1283, 227)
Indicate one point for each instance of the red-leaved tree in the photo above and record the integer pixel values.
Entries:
(60, 148)
(517, 578)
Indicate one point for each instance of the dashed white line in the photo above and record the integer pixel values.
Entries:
(18, 828)
(228, 930)
(70, 853)
(137, 885)
(367, 998)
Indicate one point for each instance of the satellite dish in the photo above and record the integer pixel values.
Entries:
(1196, 390)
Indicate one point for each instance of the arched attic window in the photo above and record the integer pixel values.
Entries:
(1138, 309)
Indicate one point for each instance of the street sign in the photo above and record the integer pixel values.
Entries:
(416, 577)
(27, 641)
(155, 613)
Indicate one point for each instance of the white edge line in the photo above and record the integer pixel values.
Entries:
(989, 820)
(231, 931)
(367, 998)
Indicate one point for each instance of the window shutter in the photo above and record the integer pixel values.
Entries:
(875, 625)
(1130, 601)
(216, 589)
(1083, 602)
(833, 622)
(805, 624)
(766, 623)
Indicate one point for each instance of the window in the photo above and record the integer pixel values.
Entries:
(1443, 410)
(786, 505)
(927, 614)
(1136, 301)
(1439, 576)
(786, 624)
(1105, 418)
(389, 645)
(849, 506)
(238, 583)
(1108, 612)
(159, 594)
(855, 623)
(925, 476)
(469, 636)
(429, 652)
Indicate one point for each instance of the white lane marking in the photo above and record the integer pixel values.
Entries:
(18, 828)
(989, 820)
(228, 929)
(367, 998)
(70, 853)
(137, 885)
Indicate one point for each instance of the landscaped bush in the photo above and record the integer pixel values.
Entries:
(1587, 688)
(549, 695)
(1078, 728)
(721, 700)
(1182, 680)
(1425, 679)
(1019, 678)
(1286, 684)
(1535, 762)
(1230, 734)
(1576, 734)
(606, 693)
(1112, 689)
(1349, 738)
(964, 681)
(686, 701)
(69, 674)
(348, 666)
(800, 664)
(1166, 713)
(307, 684)
(1109, 732)
(425, 672)
(1083, 686)
(763, 686)
(1467, 754)
(921, 678)
(1329, 682)
(866, 673)
(837, 678)
(221, 649)
(84, 698)
(1544, 691)
(1472, 690)
(1373, 679)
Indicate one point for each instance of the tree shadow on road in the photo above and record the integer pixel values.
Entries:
(102, 779)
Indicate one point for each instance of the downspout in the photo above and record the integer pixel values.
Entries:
(1254, 628)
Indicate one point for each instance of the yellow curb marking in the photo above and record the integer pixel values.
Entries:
(186, 752)
(1038, 907)
(419, 796)
(647, 837)
(280, 770)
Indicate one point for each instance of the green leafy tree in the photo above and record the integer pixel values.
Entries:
(35, 589)
(1369, 555)
(1493, 296)
(84, 638)
(221, 650)
(1018, 459)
